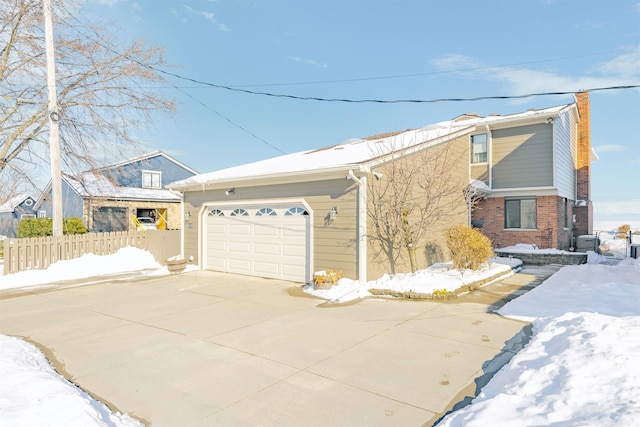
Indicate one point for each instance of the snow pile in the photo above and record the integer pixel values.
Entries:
(614, 247)
(126, 260)
(33, 394)
(580, 367)
(435, 278)
(611, 290)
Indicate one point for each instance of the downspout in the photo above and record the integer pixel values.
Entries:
(489, 151)
(182, 223)
(361, 245)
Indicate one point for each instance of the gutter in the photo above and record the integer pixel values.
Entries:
(182, 222)
(361, 245)
(336, 172)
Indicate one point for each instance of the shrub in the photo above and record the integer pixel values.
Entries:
(41, 227)
(469, 248)
(623, 231)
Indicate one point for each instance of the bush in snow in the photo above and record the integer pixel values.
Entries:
(623, 231)
(469, 248)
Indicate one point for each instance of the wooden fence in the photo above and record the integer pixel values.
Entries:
(40, 252)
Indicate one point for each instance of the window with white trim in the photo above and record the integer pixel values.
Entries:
(479, 148)
(520, 213)
(27, 216)
(216, 212)
(42, 214)
(151, 179)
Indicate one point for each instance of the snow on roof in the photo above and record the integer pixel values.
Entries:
(91, 185)
(357, 151)
(10, 205)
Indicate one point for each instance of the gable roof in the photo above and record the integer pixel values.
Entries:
(15, 201)
(358, 155)
(89, 184)
(146, 157)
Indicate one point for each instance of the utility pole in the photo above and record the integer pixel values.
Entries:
(54, 133)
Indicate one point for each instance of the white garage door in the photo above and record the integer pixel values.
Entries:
(266, 241)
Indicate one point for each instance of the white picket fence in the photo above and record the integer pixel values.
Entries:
(39, 253)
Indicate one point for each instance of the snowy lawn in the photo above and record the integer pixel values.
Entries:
(581, 366)
(438, 277)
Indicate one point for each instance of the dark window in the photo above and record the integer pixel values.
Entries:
(479, 148)
(216, 212)
(239, 212)
(520, 213)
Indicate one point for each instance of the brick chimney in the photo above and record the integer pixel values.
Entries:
(583, 208)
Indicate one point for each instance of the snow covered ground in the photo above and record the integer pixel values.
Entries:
(435, 278)
(580, 367)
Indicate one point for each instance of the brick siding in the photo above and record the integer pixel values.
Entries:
(550, 221)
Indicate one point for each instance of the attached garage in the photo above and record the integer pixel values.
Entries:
(260, 240)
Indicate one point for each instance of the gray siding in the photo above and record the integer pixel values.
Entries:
(130, 174)
(522, 157)
(334, 244)
(72, 204)
(565, 137)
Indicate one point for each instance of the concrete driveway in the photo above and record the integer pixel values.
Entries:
(213, 349)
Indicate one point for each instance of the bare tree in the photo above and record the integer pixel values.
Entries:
(419, 189)
(105, 90)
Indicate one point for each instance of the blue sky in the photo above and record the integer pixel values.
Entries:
(364, 49)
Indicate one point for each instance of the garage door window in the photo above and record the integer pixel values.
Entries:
(216, 212)
(266, 212)
(239, 212)
(296, 211)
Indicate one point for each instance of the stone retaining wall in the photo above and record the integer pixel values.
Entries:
(528, 258)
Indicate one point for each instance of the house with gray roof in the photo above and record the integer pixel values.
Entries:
(115, 197)
(13, 210)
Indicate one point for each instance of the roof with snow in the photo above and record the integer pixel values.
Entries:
(11, 204)
(91, 185)
(359, 153)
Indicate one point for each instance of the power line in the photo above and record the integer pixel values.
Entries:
(361, 101)
(242, 128)
(431, 73)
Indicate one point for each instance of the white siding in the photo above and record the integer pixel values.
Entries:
(565, 146)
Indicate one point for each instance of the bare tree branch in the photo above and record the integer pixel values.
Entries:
(105, 91)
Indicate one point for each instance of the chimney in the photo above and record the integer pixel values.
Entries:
(583, 208)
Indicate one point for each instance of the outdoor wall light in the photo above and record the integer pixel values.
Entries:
(230, 191)
(377, 176)
(333, 212)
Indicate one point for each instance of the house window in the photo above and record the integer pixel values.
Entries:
(479, 148)
(520, 213)
(151, 179)
(296, 211)
(42, 214)
(27, 216)
(266, 212)
(216, 212)
(239, 212)
(565, 212)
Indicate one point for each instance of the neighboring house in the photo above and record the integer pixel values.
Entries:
(12, 211)
(114, 197)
